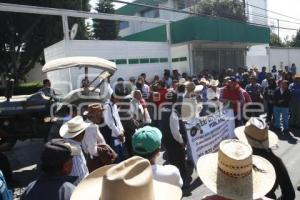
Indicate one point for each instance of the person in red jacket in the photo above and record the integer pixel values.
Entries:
(161, 93)
(232, 96)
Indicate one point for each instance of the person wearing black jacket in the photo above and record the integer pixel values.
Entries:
(282, 99)
(282, 176)
(269, 97)
(257, 134)
(173, 130)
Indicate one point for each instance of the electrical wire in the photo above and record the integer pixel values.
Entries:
(274, 12)
(197, 14)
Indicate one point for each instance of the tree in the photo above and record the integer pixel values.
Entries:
(23, 37)
(276, 41)
(296, 40)
(232, 9)
(105, 29)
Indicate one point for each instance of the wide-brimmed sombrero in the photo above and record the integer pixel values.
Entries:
(235, 173)
(256, 132)
(73, 127)
(129, 180)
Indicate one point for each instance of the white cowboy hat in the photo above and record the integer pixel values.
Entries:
(181, 81)
(214, 83)
(129, 180)
(256, 132)
(235, 173)
(73, 127)
(204, 80)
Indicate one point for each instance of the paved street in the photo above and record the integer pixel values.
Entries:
(25, 156)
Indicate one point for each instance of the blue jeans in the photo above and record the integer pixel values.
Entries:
(118, 149)
(281, 113)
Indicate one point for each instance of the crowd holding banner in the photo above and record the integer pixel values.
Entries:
(194, 118)
(206, 133)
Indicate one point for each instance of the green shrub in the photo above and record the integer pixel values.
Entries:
(24, 88)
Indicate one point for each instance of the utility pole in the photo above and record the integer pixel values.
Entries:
(244, 4)
(278, 30)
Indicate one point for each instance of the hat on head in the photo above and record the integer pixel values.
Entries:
(214, 83)
(234, 173)
(181, 81)
(129, 180)
(93, 109)
(120, 79)
(73, 127)
(256, 132)
(204, 80)
(146, 140)
(56, 152)
(190, 86)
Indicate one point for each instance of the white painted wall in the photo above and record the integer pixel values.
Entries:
(285, 56)
(55, 51)
(110, 50)
(257, 56)
(268, 56)
(178, 52)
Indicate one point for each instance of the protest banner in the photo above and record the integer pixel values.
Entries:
(205, 133)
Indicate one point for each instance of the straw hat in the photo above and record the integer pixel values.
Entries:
(93, 109)
(190, 86)
(129, 180)
(256, 132)
(204, 80)
(181, 81)
(73, 127)
(235, 173)
(214, 83)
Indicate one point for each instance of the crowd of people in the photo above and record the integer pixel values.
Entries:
(118, 143)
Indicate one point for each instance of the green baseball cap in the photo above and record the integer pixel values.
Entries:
(146, 140)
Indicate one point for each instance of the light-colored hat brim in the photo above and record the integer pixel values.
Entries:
(85, 113)
(64, 131)
(91, 187)
(251, 187)
(271, 142)
(214, 83)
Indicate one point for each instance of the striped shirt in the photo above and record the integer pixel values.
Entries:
(79, 163)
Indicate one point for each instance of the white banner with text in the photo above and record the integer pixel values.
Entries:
(206, 133)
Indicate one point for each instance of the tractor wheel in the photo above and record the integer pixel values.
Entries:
(6, 142)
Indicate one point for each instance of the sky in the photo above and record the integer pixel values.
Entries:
(286, 7)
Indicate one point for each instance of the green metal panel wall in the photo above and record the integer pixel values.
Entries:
(208, 29)
(157, 34)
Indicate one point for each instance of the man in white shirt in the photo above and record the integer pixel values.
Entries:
(92, 136)
(113, 122)
(73, 132)
(174, 133)
(146, 143)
